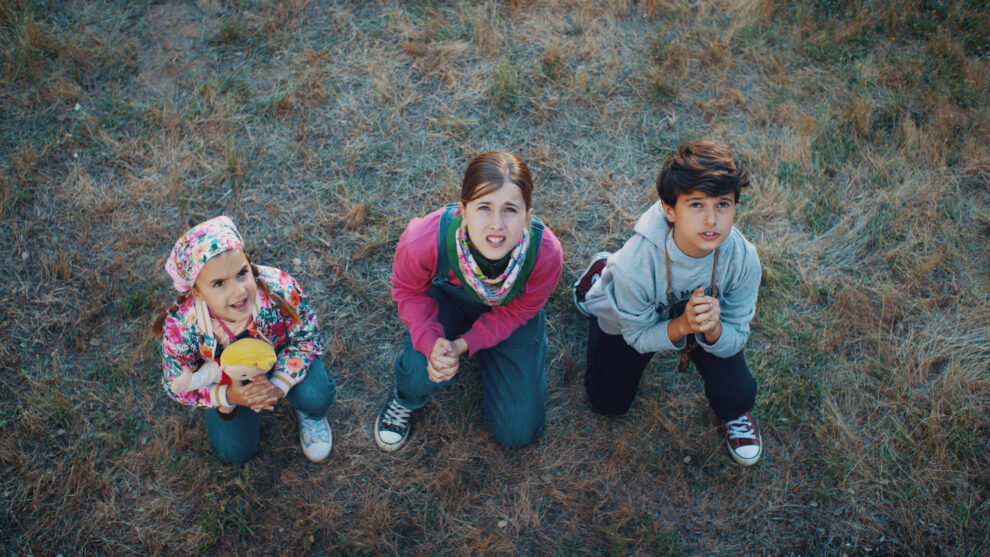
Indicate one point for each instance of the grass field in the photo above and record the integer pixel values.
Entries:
(323, 127)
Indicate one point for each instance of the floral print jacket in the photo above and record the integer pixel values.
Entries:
(188, 339)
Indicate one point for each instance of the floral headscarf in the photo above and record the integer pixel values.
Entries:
(197, 246)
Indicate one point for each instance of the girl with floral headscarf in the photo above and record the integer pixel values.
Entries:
(223, 297)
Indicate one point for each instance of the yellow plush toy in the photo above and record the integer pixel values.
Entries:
(247, 358)
(243, 360)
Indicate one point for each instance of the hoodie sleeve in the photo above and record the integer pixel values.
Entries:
(636, 309)
(738, 304)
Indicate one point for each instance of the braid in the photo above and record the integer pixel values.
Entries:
(286, 307)
(158, 327)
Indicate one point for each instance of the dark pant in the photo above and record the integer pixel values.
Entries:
(615, 368)
(513, 372)
(236, 440)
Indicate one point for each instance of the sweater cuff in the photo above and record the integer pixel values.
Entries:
(221, 396)
(474, 342)
(428, 341)
(283, 381)
(724, 347)
(662, 339)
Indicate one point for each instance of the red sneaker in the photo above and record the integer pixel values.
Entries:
(743, 439)
(590, 276)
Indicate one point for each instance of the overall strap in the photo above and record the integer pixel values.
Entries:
(714, 266)
(690, 344)
(536, 228)
(443, 263)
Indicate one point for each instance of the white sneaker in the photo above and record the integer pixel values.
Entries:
(315, 437)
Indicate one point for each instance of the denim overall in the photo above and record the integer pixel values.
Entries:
(513, 372)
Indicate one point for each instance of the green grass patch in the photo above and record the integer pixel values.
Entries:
(751, 35)
(788, 389)
(505, 92)
(137, 301)
(343, 545)
(832, 145)
(885, 229)
(965, 434)
(424, 505)
(552, 65)
(225, 516)
(437, 22)
(946, 65)
(574, 545)
(279, 102)
(235, 31)
(662, 93)
(127, 433)
(888, 117)
(639, 535)
(823, 210)
(789, 173)
(10, 412)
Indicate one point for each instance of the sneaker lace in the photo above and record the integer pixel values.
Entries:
(396, 415)
(313, 430)
(741, 428)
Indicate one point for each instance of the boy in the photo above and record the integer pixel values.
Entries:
(686, 280)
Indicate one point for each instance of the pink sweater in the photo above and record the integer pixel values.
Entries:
(416, 263)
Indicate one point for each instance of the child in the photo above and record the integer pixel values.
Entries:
(686, 280)
(472, 278)
(224, 298)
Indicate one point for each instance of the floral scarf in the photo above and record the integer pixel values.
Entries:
(491, 291)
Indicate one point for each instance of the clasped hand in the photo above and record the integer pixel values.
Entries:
(258, 394)
(702, 315)
(444, 360)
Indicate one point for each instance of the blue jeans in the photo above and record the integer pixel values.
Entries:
(513, 372)
(236, 440)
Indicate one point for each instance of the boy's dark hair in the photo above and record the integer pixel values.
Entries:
(701, 166)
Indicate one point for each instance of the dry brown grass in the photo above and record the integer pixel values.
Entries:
(322, 128)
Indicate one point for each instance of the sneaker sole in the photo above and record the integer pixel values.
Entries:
(574, 286)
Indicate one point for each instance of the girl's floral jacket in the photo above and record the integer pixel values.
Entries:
(188, 340)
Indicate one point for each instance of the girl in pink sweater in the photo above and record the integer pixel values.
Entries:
(471, 279)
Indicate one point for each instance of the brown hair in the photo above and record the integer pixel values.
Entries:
(490, 171)
(158, 327)
(701, 166)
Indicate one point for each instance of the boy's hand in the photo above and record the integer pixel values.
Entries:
(702, 314)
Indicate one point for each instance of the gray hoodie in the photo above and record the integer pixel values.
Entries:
(631, 297)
